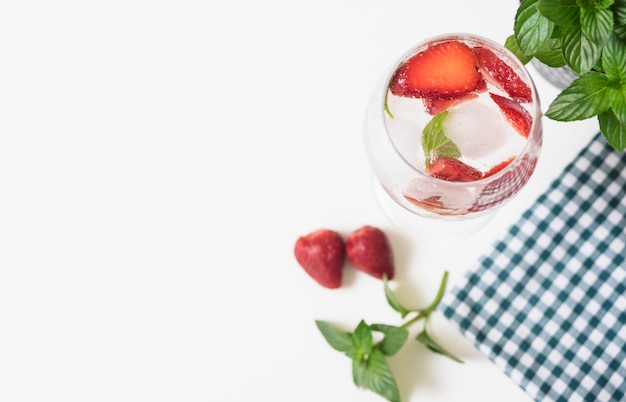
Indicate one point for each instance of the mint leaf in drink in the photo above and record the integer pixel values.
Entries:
(532, 29)
(424, 338)
(585, 97)
(395, 338)
(338, 339)
(435, 142)
(374, 374)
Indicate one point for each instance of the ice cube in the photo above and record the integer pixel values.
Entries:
(480, 131)
(405, 128)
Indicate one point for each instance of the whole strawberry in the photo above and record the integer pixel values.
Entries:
(322, 255)
(369, 250)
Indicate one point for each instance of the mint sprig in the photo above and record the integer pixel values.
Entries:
(589, 36)
(370, 369)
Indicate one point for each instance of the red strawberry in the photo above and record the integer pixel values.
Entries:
(451, 169)
(322, 255)
(500, 74)
(447, 70)
(496, 168)
(436, 106)
(369, 250)
(515, 113)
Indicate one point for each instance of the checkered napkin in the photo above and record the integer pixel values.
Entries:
(548, 304)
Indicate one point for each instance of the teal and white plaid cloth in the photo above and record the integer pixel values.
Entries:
(548, 304)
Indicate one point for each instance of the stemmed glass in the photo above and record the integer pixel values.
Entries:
(411, 133)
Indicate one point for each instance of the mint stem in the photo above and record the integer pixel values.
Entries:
(440, 292)
(425, 313)
(415, 319)
(387, 110)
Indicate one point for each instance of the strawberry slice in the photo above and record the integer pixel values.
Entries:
(496, 168)
(436, 106)
(432, 203)
(452, 169)
(501, 75)
(447, 70)
(515, 113)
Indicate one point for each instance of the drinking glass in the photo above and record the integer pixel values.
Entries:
(482, 132)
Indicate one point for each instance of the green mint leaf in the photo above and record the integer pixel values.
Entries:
(394, 339)
(595, 4)
(424, 338)
(613, 125)
(620, 31)
(338, 339)
(584, 98)
(392, 300)
(551, 54)
(362, 342)
(561, 12)
(617, 99)
(532, 29)
(374, 374)
(619, 11)
(513, 46)
(435, 142)
(583, 44)
(597, 24)
(614, 61)
(613, 130)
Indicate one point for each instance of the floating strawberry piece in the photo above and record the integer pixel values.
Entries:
(432, 204)
(322, 255)
(515, 113)
(369, 250)
(436, 106)
(496, 168)
(451, 169)
(447, 70)
(500, 74)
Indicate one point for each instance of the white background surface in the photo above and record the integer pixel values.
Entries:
(158, 160)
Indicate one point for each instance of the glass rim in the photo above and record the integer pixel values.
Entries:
(536, 126)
